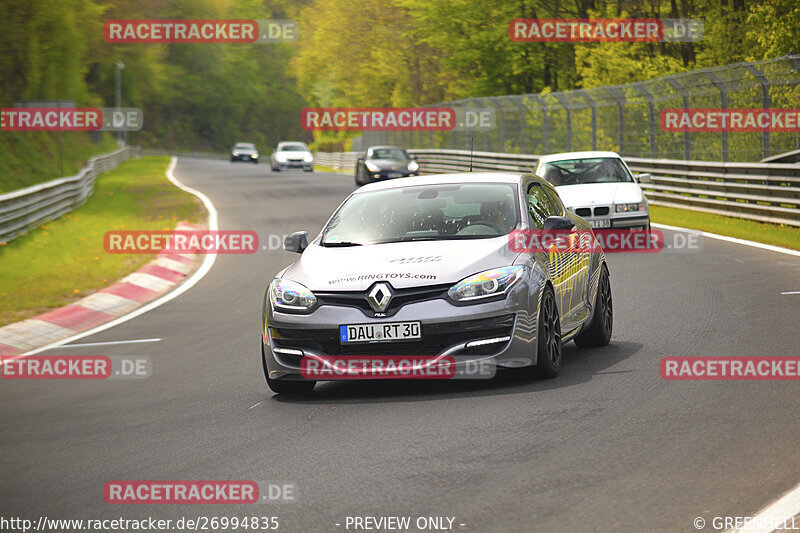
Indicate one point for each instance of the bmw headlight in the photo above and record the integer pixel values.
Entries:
(255, 155)
(308, 158)
(626, 208)
(280, 158)
(372, 167)
(413, 166)
(486, 284)
(289, 295)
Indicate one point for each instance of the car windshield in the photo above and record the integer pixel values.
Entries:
(424, 212)
(389, 153)
(582, 171)
(292, 148)
(245, 146)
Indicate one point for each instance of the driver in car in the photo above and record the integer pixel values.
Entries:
(495, 213)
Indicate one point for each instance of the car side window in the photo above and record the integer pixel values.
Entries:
(539, 206)
(555, 201)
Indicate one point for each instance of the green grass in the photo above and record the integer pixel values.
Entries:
(775, 234)
(64, 260)
(28, 158)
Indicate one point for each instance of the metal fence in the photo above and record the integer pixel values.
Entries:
(625, 118)
(24, 209)
(765, 192)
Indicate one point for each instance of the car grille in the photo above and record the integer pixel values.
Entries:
(401, 297)
(435, 339)
(587, 211)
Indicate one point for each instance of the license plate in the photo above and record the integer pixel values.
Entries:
(390, 331)
(604, 223)
(394, 174)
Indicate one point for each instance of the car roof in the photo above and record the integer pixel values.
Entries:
(244, 144)
(577, 155)
(292, 142)
(511, 178)
(383, 147)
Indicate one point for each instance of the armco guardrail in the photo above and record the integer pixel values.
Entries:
(337, 160)
(24, 209)
(765, 192)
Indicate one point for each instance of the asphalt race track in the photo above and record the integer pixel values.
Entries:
(607, 446)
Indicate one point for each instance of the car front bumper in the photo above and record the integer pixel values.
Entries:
(446, 330)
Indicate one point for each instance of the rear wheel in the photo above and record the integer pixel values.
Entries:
(599, 331)
(548, 362)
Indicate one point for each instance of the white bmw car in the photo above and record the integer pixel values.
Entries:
(599, 187)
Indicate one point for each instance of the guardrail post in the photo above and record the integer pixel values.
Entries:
(651, 122)
(569, 120)
(522, 123)
(593, 105)
(541, 102)
(765, 103)
(723, 97)
(673, 81)
(620, 100)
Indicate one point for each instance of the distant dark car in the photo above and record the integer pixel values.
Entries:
(244, 152)
(384, 162)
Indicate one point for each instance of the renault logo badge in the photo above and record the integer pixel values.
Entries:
(379, 297)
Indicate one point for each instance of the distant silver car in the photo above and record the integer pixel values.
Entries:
(292, 155)
(434, 252)
(244, 152)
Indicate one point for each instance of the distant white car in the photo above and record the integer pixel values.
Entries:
(599, 187)
(292, 155)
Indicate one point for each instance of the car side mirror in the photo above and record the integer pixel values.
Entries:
(644, 178)
(296, 242)
(558, 223)
(412, 156)
(360, 158)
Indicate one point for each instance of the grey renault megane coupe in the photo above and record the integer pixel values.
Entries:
(425, 266)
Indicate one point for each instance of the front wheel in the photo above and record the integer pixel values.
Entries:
(599, 331)
(548, 362)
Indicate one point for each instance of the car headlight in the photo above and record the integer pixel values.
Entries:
(280, 158)
(255, 155)
(308, 158)
(486, 284)
(372, 167)
(290, 295)
(235, 154)
(413, 166)
(626, 208)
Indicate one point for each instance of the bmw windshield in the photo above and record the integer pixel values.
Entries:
(424, 212)
(583, 171)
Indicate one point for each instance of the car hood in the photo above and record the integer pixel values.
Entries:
(600, 194)
(292, 155)
(245, 151)
(387, 164)
(402, 264)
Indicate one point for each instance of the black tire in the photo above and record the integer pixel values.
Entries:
(599, 331)
(550, 349)
(285, 387)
